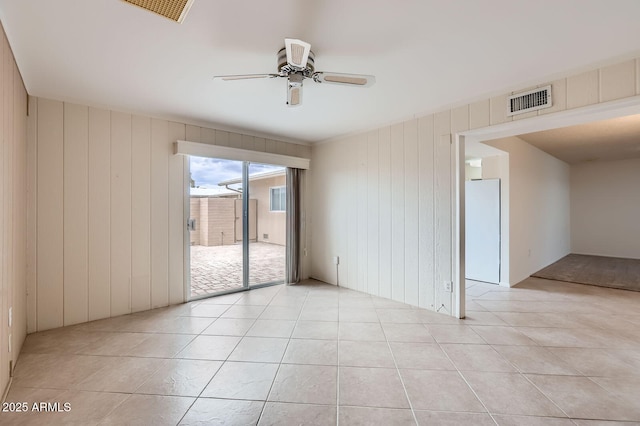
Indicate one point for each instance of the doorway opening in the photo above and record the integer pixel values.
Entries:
(524, 242)
(237, 226)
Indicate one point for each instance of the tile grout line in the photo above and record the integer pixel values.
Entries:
(222, 363)
(395, 363)
(518, 370)
(465, 380)
(264, 406)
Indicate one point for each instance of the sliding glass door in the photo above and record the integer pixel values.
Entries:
(267, 186)
(236, 226)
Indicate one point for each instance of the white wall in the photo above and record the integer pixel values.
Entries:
(110, 212)
(497, 167)
(471, 173)
(382, 203)
(13, 210)
(539, 208)
(605, 208)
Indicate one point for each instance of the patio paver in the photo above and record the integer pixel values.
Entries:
(219, 268)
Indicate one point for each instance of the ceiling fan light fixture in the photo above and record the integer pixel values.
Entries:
(297, 53)
(294, 90)
(295, 96)
(296, 62)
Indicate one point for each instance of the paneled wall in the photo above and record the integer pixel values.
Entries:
(13, 211)
(382, 200)
(382, 204)
(110, 213)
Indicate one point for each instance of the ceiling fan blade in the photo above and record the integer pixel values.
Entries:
(244, 76)
(297, 53)
(294, 90)
(358, 80)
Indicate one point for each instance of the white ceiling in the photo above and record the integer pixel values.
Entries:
(426, 54)
(607, 140)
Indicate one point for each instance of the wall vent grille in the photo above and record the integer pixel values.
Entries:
(176, 10)
(532, 100)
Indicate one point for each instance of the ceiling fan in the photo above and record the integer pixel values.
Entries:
(296, 63)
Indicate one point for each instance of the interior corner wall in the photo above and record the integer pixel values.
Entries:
(109, 209)
(539, 208)
(605, 207)
(13, 211)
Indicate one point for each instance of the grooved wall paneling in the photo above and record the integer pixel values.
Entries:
(110, 211)
(411, 215)
(140, 213)
(351, 151)
(160, 153)
(362, 212)
(76, 227)
(372, 236)
(384, 212)
(99, 213)
(4, 280)
(397, 212)
(177, 222)
(20, 194)
(50, 267)
(582, 89)
(618, 81)
(120, 213)
(426, 227)
(403, 180)
(32, 214)
(14, 185)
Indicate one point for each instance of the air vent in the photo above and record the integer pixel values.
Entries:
(176, 10)
(532, 100)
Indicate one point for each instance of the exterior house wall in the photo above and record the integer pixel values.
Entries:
(114, 177)
(16, 221)
(382, 200)
(272, 224)
(220, 218)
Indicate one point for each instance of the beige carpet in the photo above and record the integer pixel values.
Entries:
(602, 271)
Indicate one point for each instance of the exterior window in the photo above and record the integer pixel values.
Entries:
(278, 198)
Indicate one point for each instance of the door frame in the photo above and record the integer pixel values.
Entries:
(597, 112)
(198, 149)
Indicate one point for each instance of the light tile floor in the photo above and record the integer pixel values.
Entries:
(543, 353)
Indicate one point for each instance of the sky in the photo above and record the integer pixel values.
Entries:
(207, 172)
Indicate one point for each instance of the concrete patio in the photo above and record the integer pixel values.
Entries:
(215, 269)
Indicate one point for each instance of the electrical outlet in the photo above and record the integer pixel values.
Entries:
(336, 260)
(448, 286)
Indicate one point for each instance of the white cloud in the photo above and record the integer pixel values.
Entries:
(208, 172)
